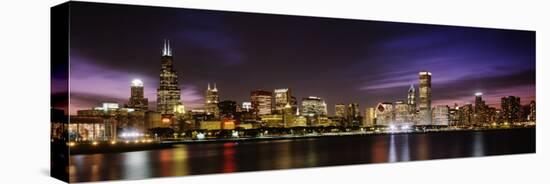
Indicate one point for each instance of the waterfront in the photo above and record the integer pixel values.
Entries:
(226, 157)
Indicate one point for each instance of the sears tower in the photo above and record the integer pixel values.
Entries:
(168, 93)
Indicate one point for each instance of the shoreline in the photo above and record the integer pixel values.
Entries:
(106, 147)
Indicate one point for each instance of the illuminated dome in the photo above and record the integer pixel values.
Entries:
(479, 94)
(137, 83)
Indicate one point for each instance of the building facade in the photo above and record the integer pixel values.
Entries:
(168, 92)
(282, 98)
(211, 101)
(425, 97)
(261, 102)
(402, 115)
(441, 115)
(369, 117)
(384, 114)
(137, 100)
(411, 99)
(340, 110)
(510, 107)
(353, 115)
(314, 106)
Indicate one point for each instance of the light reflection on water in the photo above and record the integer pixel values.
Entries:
(281, 154)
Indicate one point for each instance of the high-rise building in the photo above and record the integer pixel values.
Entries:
(411, 99)
(510, 107)
(369, 117)
(353, 115)
(532, 113)
(282, 98)
(137, 100)
(480, 109)
(246, 106)
(340, 110)
(425, 94)
(288, 116)
(441, 115)
(168, 92)
(454, 115)
(227, 109)
(384, 113)
(211, 101)
(261, 102)
(402, 115)
(466, 115)
(313, 106)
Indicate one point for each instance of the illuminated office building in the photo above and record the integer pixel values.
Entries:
(261, 102)
(425, 96)
(211, 101)
(168, 92)
(510, 107)
(466, 115)
(137, 100)
(411, 99)
(401, 112)
(353, 115)
(340, 110)
(384, 114)
(441, 115)
(282, 98)
(313, 106)
(369, 117)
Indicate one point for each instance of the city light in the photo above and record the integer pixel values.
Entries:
(479, 94)
(137, 83)
(94, 143)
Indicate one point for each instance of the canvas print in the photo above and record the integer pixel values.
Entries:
(140, 92)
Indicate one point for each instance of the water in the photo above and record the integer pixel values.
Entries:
(230, 157)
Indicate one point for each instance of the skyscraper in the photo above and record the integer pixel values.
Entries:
(353, 114)
(282, 98)
(211, 101)
(168, 92)
(288, 116)
(466, 114)
(340, 110)
(312, 106)
(510, 109)
(441, 115)
(261, 102)
(137, 101)
(425, 88)
(369, 117)
(227, 109)
(480, 114)
(401, 111)
(384, 113)
(411, 99)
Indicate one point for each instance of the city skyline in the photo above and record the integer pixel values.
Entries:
(356, 66)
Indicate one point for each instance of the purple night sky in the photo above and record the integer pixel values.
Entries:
(342, 61)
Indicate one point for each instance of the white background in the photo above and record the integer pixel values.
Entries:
(24, 90)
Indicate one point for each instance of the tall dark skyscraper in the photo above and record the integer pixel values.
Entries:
(353, 114)
(411, 99)
(227, 109)
(425, 105)
(510, 109)
(168, 93)
(137, 101)
(480, 109)
(211, 101)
